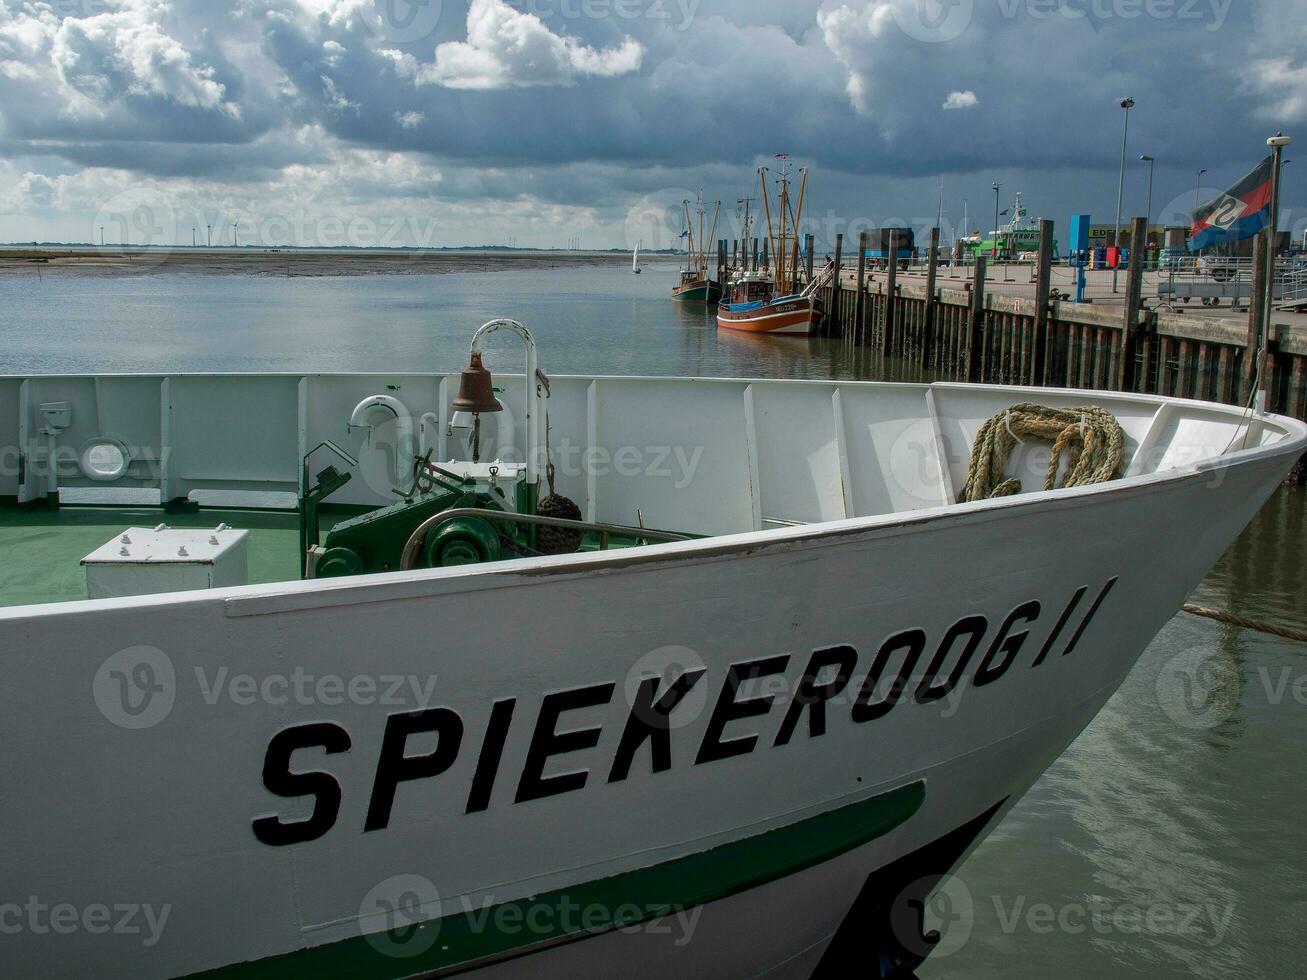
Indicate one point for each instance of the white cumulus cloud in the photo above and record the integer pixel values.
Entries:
(509, 49)
(1282, 87)
(126, 53)
(961, 100)
(117, 54)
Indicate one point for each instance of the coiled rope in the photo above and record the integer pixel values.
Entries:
(1091, 436)
(1096, 443)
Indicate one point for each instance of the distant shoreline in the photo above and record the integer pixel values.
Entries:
(295, 263)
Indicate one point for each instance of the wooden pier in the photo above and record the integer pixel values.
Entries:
(970, 334)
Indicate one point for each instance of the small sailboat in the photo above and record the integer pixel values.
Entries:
(635, 262)
(695, 285)
(770, 300)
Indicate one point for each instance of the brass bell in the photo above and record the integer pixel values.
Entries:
(476, 391)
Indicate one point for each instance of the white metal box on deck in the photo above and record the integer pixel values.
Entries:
(144, 561)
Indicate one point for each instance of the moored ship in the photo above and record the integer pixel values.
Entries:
(1017, 240)
(774, 299)
(696, 284)
(753, 306)
(460, 732)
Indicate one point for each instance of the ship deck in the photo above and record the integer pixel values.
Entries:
(44, 548)
(701, 457)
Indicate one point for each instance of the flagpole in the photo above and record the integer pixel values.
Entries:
(1277, 143)
(1127, 105)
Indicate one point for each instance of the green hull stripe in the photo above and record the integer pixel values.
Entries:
(463, 940)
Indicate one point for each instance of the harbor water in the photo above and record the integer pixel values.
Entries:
(1167, 842)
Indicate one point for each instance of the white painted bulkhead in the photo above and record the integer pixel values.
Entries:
(709, 457)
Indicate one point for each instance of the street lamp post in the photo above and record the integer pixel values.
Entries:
(1148, 224)
(1152, 164)
(997, 187)
(1198, 189)
(1127, 105)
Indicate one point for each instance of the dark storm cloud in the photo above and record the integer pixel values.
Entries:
(586, 103)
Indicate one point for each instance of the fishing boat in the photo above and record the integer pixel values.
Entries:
(528, 675)
(635, 260)
(696, 285)
(775, 300)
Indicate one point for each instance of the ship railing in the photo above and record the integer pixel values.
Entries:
(820, 281)
(1215, 277)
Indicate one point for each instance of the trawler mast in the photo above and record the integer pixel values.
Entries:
(790, 218)
(696, 258)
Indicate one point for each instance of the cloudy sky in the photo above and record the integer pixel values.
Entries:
(450, 122)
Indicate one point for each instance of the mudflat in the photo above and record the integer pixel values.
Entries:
(289, 262)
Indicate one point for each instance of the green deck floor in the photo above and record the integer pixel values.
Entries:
(43, 549)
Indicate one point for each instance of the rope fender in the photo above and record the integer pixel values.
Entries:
(1090, 435)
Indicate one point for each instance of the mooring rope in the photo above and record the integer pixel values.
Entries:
(1096, 443)
(1231, 619)
(1092, 436)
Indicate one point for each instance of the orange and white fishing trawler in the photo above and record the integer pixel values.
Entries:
(776, 300)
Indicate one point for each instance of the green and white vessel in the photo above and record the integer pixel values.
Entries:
(359, 698)
(1017, 241)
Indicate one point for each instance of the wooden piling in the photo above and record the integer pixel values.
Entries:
(1226, 386)
(1043, 288)
(1297, 404)
(836, 288)
(1127, 376)
(1256, 317)
(860, 303)
(928, 342)
(808, 242)
(889, 330)
(976, 324)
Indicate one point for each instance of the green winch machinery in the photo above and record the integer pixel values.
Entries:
(459, 513)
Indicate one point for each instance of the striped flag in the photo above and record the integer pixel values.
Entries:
(1239, 213)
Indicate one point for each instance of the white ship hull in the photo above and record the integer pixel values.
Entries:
(775, 807)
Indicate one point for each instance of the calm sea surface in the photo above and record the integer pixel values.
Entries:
(1169, 840)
